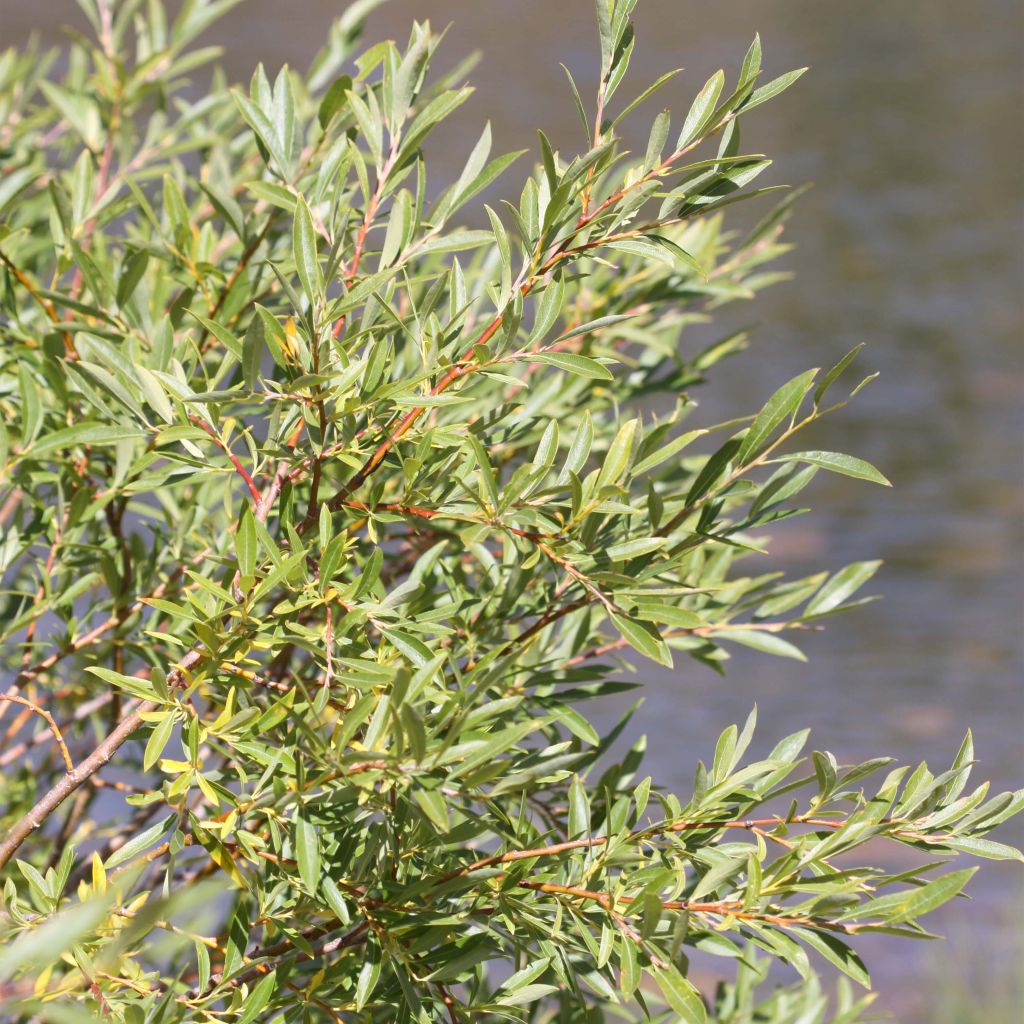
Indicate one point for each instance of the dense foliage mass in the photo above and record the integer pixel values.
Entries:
(324, 521)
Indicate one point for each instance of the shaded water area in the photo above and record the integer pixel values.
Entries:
(911, 241)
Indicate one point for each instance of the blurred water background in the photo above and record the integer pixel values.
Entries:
(911, 241)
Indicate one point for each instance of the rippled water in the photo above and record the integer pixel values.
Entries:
(912, 242)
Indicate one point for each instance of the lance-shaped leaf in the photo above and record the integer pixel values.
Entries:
(304, 247)
(307, 853)
(780, 407)
(700, 113)
(835, 462)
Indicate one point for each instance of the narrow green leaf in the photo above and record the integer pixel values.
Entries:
(134, 685)
(830, 378)
(330, 891)
(772, 89)
(593, 325)
(134, 268)
(603, 9)
(700, 112)
(369, 973)
(649, 91)
(841, 586)
(643, 638)
(434, 805)
(635, 548)
(398, 230)
(157, 741)
(307, 263)
(334, 100)
(913, 903)
(617, 459)
(680, 994)
(84, 433)
(143, 840)
(767, 643)
(579, 450)
(579, 810)
(656, 140)
(246, 544)
(258, 998)
(254, 345)
(582, 366)
(154, 393)
(580, 109)
(668, 614)
(837, 953)
(987, 848)
(751, 62)
(664, 452)
(835, 462)
(307, 854)
(782, 405)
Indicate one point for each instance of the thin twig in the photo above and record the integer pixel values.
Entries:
(644, 835)
(721, 908)
(48, 308)
(25, 702)
(235, 461)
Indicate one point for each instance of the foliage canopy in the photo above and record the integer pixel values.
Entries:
(324, 520)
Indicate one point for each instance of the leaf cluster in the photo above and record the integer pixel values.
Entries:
(325, 518)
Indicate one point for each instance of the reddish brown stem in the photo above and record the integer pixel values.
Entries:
(47, 307)
(235, 461)
(721, 908)
(749, 824)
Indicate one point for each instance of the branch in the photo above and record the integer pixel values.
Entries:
(687, 510)
(28, 674)
(463, 365)
(11, 754)
(719, 908)
(712, 629)
(640, 835)
(22, 278)
(243, 262)
(235, 461)
(25, 702)
(35, 818)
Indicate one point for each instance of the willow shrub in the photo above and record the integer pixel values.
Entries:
(326, 519)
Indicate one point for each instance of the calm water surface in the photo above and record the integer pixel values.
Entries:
(911, 241)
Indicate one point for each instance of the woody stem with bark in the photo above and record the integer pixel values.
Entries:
(86, 768)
